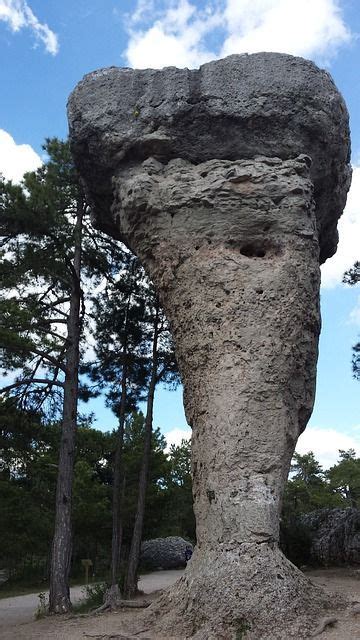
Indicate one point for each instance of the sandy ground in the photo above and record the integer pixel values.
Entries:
(16, 614)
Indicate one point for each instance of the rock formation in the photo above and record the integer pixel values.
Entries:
(228, 182)
(164, 553)
(335, 536)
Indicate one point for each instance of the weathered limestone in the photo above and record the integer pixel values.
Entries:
(164, 553)
(228, 183)
(335, 536)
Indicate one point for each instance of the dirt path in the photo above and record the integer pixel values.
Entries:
(347, 582)
(115, 624)
(20, 610)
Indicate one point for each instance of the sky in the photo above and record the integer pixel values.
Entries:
(46, 48)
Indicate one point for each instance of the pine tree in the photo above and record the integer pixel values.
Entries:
(161, 368)
(352, 277)
(119, 370)
(48, 251)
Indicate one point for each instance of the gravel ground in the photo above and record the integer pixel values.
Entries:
(16, 621)
(19, 610)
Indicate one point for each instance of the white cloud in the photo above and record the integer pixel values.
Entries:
(174, 436)
(354, 317)
(175, 38)
(300, 27)
(325, 443)
(16, 159)
(178, 33)
(349, 233)
(144, 9)
(18, 15)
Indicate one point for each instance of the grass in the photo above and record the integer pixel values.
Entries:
(93, 598)
(241, 630)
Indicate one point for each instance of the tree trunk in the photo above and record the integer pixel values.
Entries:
(130, 587)
(59, 598)
(116, 515)
(113, 594)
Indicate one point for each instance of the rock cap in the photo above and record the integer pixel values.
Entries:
(239, 107)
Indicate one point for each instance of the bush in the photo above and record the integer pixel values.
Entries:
(295, 541)
(93, 597)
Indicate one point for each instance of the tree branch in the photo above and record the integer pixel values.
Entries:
(46, 356)
(28, 381)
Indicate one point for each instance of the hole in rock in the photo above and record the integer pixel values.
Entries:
(252, 251)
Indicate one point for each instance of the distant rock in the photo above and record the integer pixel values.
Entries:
(164, 553)
(4, 576)
(335, 536)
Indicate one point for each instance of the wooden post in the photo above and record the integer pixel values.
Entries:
(86, 563)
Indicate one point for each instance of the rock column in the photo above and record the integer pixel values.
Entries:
(233, 249)
(231, 231)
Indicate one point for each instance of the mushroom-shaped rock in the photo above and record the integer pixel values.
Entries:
(228, 182)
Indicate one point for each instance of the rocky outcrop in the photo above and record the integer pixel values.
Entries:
(164, 553)
(4, 576)
(239, 107)
(335, 536)
(228, 183)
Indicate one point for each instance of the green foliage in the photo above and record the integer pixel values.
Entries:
(92, 599)
(123, 319)
(42, 609)
(39, 233)
(295, 540)
(27, 486)
(241, 629)
(306, 468)
(177, 511)
(310, 488)
(352, 277)
(158, 472)
(28, 468)
(344, 478)
(46, 276)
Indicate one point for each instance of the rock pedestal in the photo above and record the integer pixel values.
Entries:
(228, 183)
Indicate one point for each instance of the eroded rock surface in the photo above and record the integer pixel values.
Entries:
(239, 107)
(228, 183)
(164, 553)
(335, 536)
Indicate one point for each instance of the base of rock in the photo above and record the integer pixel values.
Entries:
(251, 591)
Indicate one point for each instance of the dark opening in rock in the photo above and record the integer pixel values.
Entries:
(252, 251)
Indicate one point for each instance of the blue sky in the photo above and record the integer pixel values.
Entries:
(46, 47)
